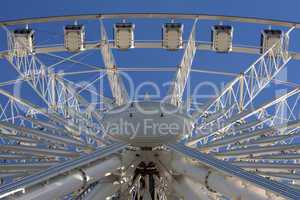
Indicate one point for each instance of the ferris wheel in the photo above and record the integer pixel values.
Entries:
(73, 125)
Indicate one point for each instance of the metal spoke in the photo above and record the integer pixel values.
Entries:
(261, 134)
(55, 171)
(247, 113)
(239, 93)
(243, 152)
(115, 81)
(281, 175)
(267, 166)
(42, 134)
(38, 151)
(26, 167)
(227, 168)
(178, 84)
(59, 96)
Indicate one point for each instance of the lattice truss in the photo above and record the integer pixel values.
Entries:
(240, 146)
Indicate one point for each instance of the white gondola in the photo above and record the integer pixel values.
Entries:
(269, 38)
(124, 35)
(23, 41)
(222, 36)
(172, 36)
(74, 37)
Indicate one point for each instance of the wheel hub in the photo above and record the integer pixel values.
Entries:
(147, 123)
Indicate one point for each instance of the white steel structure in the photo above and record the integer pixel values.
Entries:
(65, 139)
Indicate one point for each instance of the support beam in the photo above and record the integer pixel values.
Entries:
(228, 102)
(59, 96)
(105, 188)
(42, 80)
(13, 175)
(269, 140)
(115, 81)
(33, 150)
(280, 156)
(230, 187)
(60, 186)
(283, 175)
(15, 156)
(35, 109)
(26, 167)
(4, 134)
(245, 114)
(244, 152)
(178, 84)
(246, 135)
(46, 135)
(227, 168)
(149, 15)
(92, 45)
(266, 166)
(47, 125)
(64, 129)
(59, 170)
